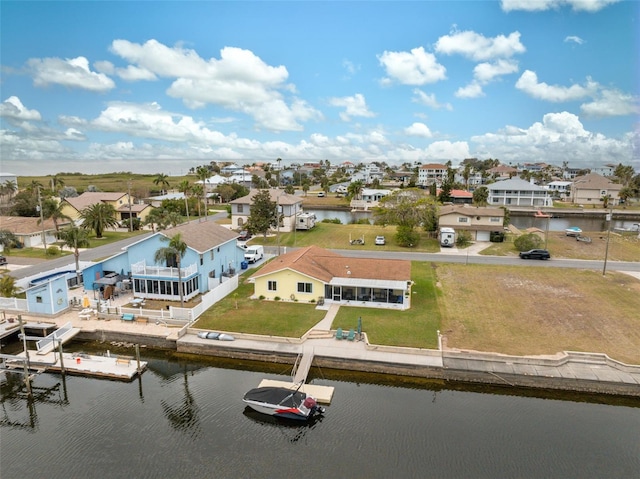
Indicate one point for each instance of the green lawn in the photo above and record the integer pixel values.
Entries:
(335, 236)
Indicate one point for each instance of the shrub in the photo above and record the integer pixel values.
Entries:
(261, 296)
(406, 236)
(463, 239)
(53, 251)
(335, 221)
(527, 242)
(277, 298)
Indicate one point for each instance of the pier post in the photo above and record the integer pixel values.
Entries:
(138, 358)
(25, 364)
(62, 371)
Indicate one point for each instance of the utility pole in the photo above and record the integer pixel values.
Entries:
(44, 233)
(606, 251)
(129, 197)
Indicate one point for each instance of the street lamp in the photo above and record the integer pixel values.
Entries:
(44, 234)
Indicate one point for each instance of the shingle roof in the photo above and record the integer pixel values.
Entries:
(23, 225)
(324, 265)
(471, 210)
(278, 196)
(89, 198)
(516, 183)
(595, 182)
(202, 236)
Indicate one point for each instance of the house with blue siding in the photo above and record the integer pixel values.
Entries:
(211, 257)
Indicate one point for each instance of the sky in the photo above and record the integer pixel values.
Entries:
(161, 86)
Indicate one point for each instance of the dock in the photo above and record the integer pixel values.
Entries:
(322, 394)
(122, 368)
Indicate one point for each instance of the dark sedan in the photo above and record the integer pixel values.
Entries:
(535, 254)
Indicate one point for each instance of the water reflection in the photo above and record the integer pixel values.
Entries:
(293, 430)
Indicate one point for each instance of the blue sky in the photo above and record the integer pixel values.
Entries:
(154, 87)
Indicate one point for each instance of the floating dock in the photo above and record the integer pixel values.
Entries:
(122, 368)
(322, 394)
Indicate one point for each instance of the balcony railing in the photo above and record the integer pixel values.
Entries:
(142, 269)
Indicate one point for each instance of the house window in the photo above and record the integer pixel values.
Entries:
(272, 285)
(496, 219)
(211, 254)
(305, 288)
(240, 208)
(463, 220)
(38, 299)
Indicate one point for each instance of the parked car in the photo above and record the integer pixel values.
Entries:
(321, 194)
(3, 260)
(380, 240)
(244, 235)
(535, 254)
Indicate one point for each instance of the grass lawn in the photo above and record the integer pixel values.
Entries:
(621, 247)
(334, 236)
(416, 328)
(238, 313)
(537, 310)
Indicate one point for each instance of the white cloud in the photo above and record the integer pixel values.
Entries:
(416, 67)
(72, 73)
(541, 5)
(486, 72)
(560, 136)
(477, 47)
(133, 73)
(574, 39)
(529, 84)
(13, 109)
(418, 129)
(612, 103)
(238, 81)
(350, 67)
(355, 105)
(472, 90)
(429, 100)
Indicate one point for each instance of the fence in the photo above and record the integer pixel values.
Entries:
(13, 304)
(57, 334)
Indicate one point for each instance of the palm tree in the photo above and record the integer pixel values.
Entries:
(53, 209)
(75, 238)
(9, 188)
(197, 192)
(203, 174)
(56, 183)
(354, 190)
(173, 254)
(162, 180)
(98, 217)
(8, 288)
(185, 188)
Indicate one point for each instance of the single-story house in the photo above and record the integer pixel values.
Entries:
(459, 197)
(518, 192)
(212, 255)
(315, 274)
(29, 231)
(592, 188)
(480, 222)
(288, 206)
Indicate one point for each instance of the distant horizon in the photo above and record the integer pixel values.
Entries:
(146, 87)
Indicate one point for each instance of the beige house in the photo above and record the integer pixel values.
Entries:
(29, 231)
(592, 188)
(123, 204)
(288, 205)
(314, 274)
(480, 222)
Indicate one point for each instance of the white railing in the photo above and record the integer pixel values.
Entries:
(14, 304)
(143, 269)
(58, 333)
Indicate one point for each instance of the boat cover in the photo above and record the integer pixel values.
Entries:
(273, 395)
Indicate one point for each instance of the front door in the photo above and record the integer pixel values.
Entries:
(337, 293)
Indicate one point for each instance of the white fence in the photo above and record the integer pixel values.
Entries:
(13, 304)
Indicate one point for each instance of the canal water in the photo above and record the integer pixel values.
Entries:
(521, 222)
(184, 418)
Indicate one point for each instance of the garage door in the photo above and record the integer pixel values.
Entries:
(482, 236)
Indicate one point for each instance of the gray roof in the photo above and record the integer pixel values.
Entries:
(280, 196)
(202, 236)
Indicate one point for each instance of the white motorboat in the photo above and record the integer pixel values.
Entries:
(573, 231)
(282, 402)
(217, 336)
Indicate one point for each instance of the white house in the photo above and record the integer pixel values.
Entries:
(288, 206)
(518, 192)
(431, 173)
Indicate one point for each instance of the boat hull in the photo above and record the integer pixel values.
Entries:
(277, 411)
(281, 402)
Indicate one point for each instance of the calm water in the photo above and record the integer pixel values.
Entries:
(186, 419)
(555, 224)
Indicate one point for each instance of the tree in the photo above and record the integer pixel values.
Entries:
(305, 186)
(68, 192)
(98, 217)
(52, 209)
(8, 288)
(203, 175)
(624, 173)
(75, 238)
(289, 189)
(481, 196)
(171, 255)
(57, 182)
(527, 242)
(185, 188)
(263, 214)
(354, 190)
(8, 240)
(407, 208)
(162, 180)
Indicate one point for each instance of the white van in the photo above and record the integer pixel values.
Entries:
(447, 237)
(254, 253)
